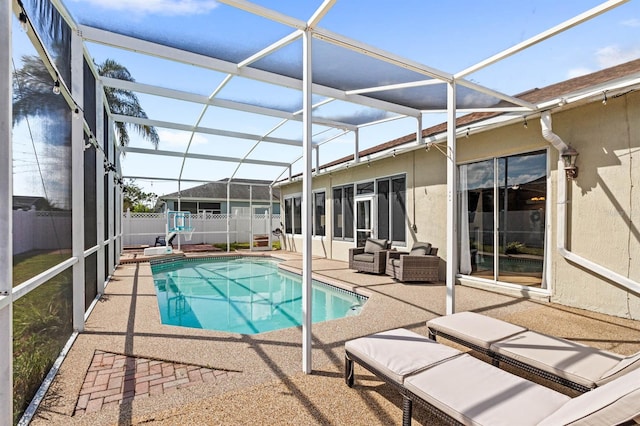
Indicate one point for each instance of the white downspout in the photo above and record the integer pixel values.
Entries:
(553, 139)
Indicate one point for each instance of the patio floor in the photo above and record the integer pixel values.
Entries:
(221, 378)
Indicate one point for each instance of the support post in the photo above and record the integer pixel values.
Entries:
(100, 207)
(452, 197)
(306, 202)
(228, 214)
(111, 200)
(77, 181)
(356, 146)
(6, 217)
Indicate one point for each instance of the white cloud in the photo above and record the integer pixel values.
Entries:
(161, 7)
(614, 55)
(179, 140)
(577, 72)
(633, 22)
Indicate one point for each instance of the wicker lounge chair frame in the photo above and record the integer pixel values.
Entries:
(413, 267)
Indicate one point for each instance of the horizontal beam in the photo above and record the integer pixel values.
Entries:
(221, 103)
(177, 55)
(147, 151)
(598, 10)
(395, 86)
(205, 130)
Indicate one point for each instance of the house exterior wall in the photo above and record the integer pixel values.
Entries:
(603, 207)
(173, 204)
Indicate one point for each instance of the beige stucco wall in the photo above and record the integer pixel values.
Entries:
(604, 207)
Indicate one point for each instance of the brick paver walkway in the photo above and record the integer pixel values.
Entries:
(113, 379)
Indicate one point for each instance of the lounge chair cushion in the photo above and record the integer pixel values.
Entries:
(474, 328)
(627, 364)
(420, 249)
(372, 245)
(613, 403)
(400, 352)
(476, 393)
(573, 361)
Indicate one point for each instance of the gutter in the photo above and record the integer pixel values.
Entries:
(558, 143)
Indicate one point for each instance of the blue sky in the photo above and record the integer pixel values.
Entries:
(449, 36)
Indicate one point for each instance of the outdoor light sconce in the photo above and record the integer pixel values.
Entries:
(569, 157)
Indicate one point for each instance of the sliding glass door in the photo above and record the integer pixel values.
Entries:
(502, 218)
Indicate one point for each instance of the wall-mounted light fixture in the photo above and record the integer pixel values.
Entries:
(569, 157)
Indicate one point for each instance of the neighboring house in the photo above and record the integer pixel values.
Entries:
(212, 198)
(23, 202)
(523, 226)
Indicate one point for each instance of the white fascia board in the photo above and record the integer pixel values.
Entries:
(147, 151)
(380, 54)
(496, 94)
(158, 50)
(221, 103)
(611, 88)
(206, 130)
(487, 109)
(585, 16)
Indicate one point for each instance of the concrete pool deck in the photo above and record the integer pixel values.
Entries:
(259, 378)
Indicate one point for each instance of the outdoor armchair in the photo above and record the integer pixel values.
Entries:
(370, 258)
(420, 264)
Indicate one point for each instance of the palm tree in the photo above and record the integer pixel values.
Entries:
(125, 102)
(32, 95)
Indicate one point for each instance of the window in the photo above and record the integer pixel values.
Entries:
(319, 213)
(343, 213)
(288, 215)
(391, 208)
(502, 209)
(293, 214)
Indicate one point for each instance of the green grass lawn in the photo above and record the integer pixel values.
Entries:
(42, 323)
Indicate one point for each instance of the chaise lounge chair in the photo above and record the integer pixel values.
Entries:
(420, 264)
(571, 364)
(464, 390)
(370, 258)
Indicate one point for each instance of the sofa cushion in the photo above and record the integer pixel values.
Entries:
(613, 403)
(372, 245)
(400, 352)
(420, 249)
(364, 257)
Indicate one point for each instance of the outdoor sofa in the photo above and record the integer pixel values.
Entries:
(569, 363)
(371, 257)
(464, 390)
(420, 264)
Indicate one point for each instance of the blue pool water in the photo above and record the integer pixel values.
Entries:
(242, 295)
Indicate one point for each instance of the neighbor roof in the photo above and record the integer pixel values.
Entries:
(245, 189)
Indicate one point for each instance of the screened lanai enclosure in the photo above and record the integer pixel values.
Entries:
(94, 95)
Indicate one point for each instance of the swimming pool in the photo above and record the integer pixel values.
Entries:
(243, 295)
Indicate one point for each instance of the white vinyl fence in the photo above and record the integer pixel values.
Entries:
(41, 230)
(143, 228)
